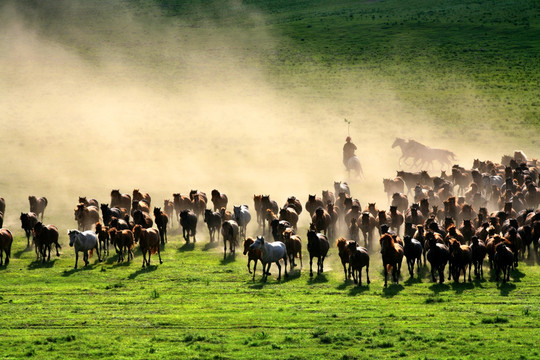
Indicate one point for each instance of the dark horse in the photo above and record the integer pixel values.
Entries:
(392, 256)
(438, 256)
(161, 221)
(318, 246)
(28, 220)
(45, 237)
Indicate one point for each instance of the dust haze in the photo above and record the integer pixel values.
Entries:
(101, 97)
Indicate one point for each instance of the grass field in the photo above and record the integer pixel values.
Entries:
(197, 305)
(249, 97)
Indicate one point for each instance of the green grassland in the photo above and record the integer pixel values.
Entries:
(471, 68)
(197, 305)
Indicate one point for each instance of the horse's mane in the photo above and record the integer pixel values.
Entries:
(389, 243)
(341, 243)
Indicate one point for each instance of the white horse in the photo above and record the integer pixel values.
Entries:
(83, 241)
(354, 164)
(242, 217)
(271, 252)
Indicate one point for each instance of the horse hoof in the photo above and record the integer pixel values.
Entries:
(161, 262)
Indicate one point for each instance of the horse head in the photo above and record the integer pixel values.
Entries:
(73, 236)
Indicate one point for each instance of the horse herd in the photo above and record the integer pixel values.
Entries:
(455, 220)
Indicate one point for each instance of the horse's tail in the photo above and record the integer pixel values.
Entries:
(90, 252)
(389, 268)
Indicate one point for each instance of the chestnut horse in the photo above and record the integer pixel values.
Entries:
(293, 244)
(229, 231)
(345, 254)
(148, 242)
(392, 256)
(120, 200)
(219, 200)
(6, 239)
(253, 254)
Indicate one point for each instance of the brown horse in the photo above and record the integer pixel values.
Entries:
(294, 203)
(314, 202)
(293, 244)
(6, 239)
(198, 202)
(139, 196)
(290, 215)
(267, 204)
(168, 208)
(253, 254)
(38, 205)
(213, 222)
(437, 255)
(359, 258)
(257, 202)
(460, 258)
(102, 233)
(148, 242)
(143, 219)
(478, 251)
(400, 201)
(396, 219)
(120, 200)
(392, 256)
(219, 200)
(88, 202)
(344, 255)
(392, 186)
(368, 223)
(86, 216)
(181, 203)
(45, 237)
(328, 197)
(333, 211)
(503, 260)
(322, 220)
(230, 231)
(124, 242)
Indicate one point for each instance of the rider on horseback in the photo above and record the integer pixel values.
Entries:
(348, 151)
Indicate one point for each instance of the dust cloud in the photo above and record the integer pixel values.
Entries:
(97, 97)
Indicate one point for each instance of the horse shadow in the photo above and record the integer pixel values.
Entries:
(506, 288)
(187, 247)
(318, 279)
(18, 254)
(72, 271)
(112, 259)
(392, 290)
(439, 288)
(228, 259)
(413, 280)
(461, 286)
(210, 246)
(38, 264)
(358, 290)
(293, 274)
(517, 275)
(123, 264)
(142, 270)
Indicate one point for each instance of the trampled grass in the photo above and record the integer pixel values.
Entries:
(197, 305)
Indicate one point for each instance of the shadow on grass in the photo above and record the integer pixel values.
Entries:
(317, 279)
(80, 267)
(439, 288)
(506, 288)
(111, 260)
(187, 247)
(358, 290)
(210, 246)
(413, 280)
(392, 290)
(20, 252)
(228, 259)
(461, 286)
(517, 275)
(142, 271)
(293, 275)
(38, 264)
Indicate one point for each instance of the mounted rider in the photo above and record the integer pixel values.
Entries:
(348, 151)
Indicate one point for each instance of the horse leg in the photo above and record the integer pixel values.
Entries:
(76, 258)
(159, 255)
(385, 275)
(224, 249)
(311, 266)
(249, 262)
(279, 270)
